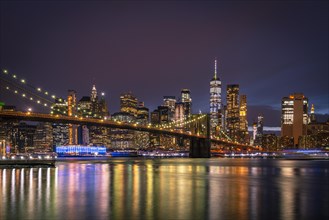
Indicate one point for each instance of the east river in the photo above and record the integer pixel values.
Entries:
(182, 188)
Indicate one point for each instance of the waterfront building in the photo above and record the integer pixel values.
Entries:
(60, 134)
(43, 137)
(22, 137)
(317, 135)
(80, 150)
(7, 126)
(187, 102)
(215, 102)
(122, 139)
(233, 117)
(128, 103)
(244, 136)
(294, 116)
(269, 142)
(60, 131)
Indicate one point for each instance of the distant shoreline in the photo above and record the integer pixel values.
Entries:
(27, 163)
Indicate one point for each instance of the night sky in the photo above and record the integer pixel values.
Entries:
(271, 49)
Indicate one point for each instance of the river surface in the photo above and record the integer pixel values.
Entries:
(184, 188)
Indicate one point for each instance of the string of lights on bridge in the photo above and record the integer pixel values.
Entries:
(23, 82)
(181, 122)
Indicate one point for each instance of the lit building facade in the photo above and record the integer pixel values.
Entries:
(170, 102)
(128, 103)
(122, 139)
(215, 102)
(43, 137)
(312, 115)
(259, 130)
(85, 107)
(243, 119)
(179, 113)
(294, 117)
(60, 131)
(72, 111)
(142, 114)
(187, 102)
(22, 137)
(233, 116)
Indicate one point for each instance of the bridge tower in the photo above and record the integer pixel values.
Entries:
(200, 147)
(72, 111)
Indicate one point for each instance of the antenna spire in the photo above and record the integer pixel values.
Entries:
(215, 75)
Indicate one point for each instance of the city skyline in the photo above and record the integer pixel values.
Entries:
(173, 50)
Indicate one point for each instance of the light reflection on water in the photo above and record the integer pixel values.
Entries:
(167, 189)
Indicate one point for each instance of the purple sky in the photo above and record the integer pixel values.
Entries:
(272, 49)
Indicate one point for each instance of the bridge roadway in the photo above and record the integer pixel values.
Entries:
(31, 116)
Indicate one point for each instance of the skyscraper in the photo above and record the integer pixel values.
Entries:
(128, 103)
(312, 115)
(258, 130)
(142, 114)
(187, 102)
(260, 125)
(233, 116)
(179, 114)
(72, 111)
(215, 101)
(243, 119)
(294, 116)
(93, 96)
(170, 101)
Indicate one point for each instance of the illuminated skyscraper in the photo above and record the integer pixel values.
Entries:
(258, 130)
(260, 125)
(170, 101)
(243, 119)
(233, 116)
(294, 116)
(312, 115)
(60, 131)
(187, 102)
(72, 111)
(215, 102)
(43, 136)
(142, 114)
(254, 132)
(93, 96)
(128, 103)
(179, 114)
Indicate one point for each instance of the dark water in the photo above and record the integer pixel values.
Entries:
(168, 189)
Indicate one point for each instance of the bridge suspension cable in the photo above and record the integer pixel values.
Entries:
(19, 82)
(181, 122)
